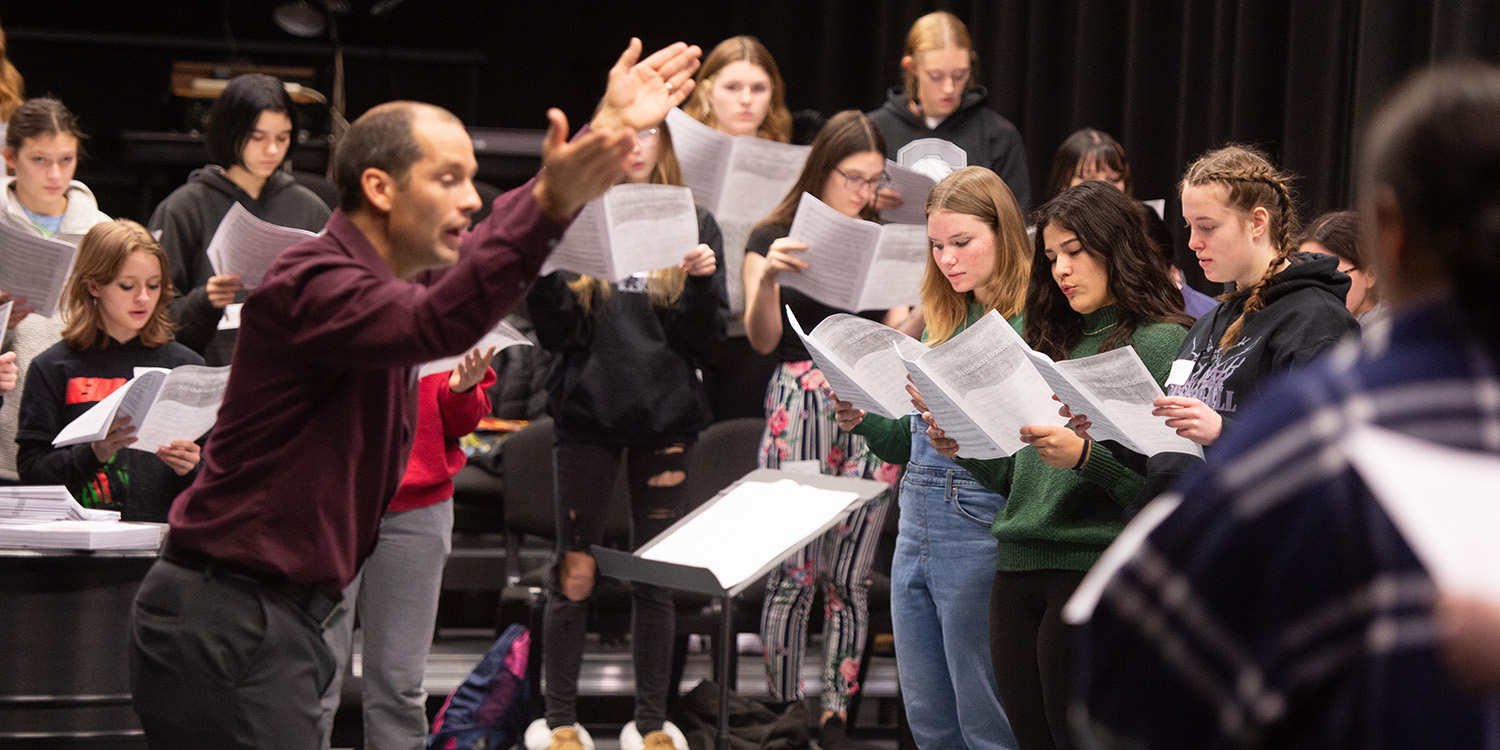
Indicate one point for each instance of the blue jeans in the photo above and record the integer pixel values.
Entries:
(940, 604)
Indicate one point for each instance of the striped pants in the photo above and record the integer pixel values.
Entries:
(800, 426)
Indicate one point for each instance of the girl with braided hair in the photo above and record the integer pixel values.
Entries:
(1284, 309)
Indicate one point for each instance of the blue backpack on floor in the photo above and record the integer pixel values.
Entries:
(492, 707)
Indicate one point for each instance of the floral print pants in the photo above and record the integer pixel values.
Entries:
(800, 426)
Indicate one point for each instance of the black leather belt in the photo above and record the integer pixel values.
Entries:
(324, 608)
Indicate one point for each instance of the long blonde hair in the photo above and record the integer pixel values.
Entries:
(12, 85)
(1250, 182)
(778, 123)
(980, 193)
(664, 285)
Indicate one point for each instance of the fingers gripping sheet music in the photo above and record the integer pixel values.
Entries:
(631, 229)
(165, 405)
(861, 360)
(981, 383)
(35, 268)
(1115, 390)
(246, 245)
(503, 336)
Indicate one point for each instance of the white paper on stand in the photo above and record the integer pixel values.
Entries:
(503, 336)
(857, 358)
(855, 264)
(246, 245)
(631, 229)
(1442, 500)
(34, 267)
(743, 529)
(181, 404)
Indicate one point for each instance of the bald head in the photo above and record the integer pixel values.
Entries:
(383, 138)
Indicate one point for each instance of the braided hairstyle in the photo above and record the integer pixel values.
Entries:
(1250, 182)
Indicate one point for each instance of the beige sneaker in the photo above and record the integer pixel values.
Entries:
(566, 738)
(659, 741)
(669, 737)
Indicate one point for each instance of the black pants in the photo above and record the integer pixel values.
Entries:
(1031, 648)
(585, 482)
(220, 662)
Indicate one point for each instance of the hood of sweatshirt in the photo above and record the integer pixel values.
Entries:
(81, 214)
(895, 101)
(213, 177)
(1305, 271)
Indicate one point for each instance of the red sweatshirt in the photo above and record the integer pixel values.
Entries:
(442, 418)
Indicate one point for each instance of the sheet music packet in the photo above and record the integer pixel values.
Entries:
(246, 245)
(913, 187)
(859, 359)
(631, 229)
(44, 503)
(47, 517)
(981, 388)
(855, 264)
(164, 405)
(35, 267)
(741, 179)
(1115, 390)
(502, 336)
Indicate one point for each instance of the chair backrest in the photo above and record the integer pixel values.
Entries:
(529, 487)
(724, 452)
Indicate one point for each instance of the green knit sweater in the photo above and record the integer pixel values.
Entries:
(890, 439)
(1061, 519)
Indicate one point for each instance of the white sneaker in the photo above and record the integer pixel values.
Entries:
(669, 737)
(540, 737)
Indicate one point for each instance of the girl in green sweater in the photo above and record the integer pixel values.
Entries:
(1097, 284)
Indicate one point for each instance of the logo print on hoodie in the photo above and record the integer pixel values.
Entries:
(1211, 368)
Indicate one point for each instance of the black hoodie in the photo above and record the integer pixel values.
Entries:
(187, 220)
(989, 139)
(1303, 316)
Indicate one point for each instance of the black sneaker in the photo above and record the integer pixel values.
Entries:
(834, 735)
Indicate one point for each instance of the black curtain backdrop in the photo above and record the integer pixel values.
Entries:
(1169, 78)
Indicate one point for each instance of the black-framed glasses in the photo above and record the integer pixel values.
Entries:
(855, 183)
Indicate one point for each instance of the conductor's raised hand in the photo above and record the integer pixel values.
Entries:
(699, 261)
(1190, 417)
(470, 370)
(574, 173)
(785, 256)
(121, 433)
(847, 415)
(180, 455)
(641, 92)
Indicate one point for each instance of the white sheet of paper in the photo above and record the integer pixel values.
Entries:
(36, 503)
(82, 535)
(913, 187)
(1115, 390)
(632, 228)
(5, 312)
(858, 358)
(1159, 205)
(735, 536)
(839, 253)
(503, 336)
(34, 267)
(231, 319)
(1443, 501)
(894, 278)
(185, 407)
(246, 245)
(92, 424)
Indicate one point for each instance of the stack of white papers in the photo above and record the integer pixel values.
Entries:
(631, 229)
(44, 503)
(34, 267)
(246, 246)
(855, 264)
(81, 535)
(164, 405)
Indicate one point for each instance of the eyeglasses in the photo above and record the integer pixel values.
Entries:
(855, 183)
(648, 136)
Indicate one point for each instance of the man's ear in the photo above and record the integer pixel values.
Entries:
(378, 186)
